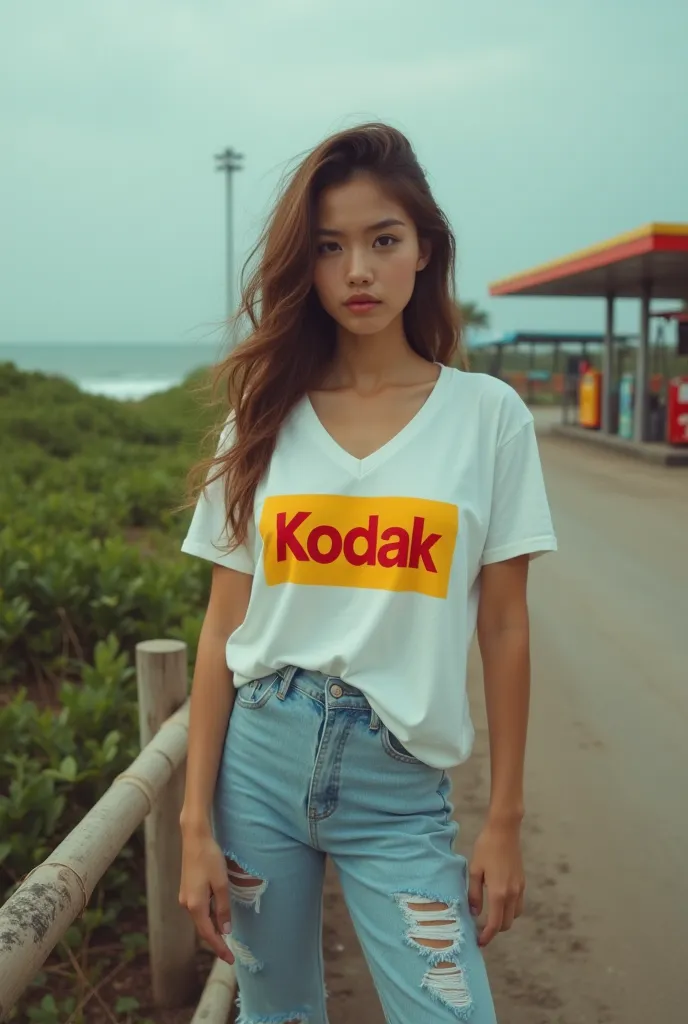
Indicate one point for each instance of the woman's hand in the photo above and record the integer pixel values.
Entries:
(204, 877)
(497, 864)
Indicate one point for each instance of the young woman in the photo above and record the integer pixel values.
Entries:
(367, 508)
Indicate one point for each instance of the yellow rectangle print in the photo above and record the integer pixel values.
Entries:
(331, 540)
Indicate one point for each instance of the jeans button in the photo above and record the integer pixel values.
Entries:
(336, 690)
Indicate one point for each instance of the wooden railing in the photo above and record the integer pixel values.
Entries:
(54, 894)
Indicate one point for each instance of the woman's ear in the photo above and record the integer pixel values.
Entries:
(425, 247)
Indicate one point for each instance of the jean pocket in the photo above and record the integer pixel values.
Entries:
(395, 748)
(257, 693)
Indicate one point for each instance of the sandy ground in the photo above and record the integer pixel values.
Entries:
(604, 938)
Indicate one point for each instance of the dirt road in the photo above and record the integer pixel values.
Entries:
(604, 939)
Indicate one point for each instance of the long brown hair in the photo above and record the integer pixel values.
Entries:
(292, 338)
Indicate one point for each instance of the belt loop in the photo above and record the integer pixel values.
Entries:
(374, 721)
(286, 675)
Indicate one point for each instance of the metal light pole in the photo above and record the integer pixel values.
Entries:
(229, 161)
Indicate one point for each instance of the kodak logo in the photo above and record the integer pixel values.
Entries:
(325, 544)
(399, 544)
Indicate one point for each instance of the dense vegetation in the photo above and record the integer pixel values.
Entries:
(89, 565)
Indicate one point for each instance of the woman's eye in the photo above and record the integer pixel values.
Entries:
(386, 241)
(326, 247)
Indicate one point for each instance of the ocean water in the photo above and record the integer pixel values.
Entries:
(122, 371)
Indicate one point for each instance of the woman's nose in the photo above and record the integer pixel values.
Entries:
(358, 271)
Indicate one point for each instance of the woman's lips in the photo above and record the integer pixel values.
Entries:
(361, 306)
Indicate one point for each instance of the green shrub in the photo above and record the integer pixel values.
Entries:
(89, 566)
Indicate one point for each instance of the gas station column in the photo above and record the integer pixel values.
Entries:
(607, 366)
(641, 411)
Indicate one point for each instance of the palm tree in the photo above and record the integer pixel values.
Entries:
(473, 319)
(473, 316)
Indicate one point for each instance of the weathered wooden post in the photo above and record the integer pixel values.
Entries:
(162, 681)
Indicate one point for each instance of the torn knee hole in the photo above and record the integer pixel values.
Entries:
(244, 887)
(434, 930)
(244, 955)
(240, 877)
(435, 923)
(427, 919)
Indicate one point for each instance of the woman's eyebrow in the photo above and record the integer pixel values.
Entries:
(390, 222)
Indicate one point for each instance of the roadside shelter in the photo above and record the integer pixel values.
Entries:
(578, 343)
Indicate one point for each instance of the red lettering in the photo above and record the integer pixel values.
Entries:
(397, 551)
(420, 546)
(286, 536)
(335, 538)
(369, 534)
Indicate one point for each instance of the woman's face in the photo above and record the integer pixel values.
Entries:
(368, 247)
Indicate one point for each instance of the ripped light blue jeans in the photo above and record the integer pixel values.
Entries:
(308, 770)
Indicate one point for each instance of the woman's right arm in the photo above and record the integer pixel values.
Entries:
(212, 697)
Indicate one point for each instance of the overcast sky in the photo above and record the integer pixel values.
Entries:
(543, 126)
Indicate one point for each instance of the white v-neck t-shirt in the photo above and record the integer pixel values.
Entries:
(369, 569)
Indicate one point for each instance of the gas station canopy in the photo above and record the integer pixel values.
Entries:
(648, 263)
(654, 256)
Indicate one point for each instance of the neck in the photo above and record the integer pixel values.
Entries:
(370, 360)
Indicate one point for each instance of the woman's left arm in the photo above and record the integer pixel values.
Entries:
(504, 639)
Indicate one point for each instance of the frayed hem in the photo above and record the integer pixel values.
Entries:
(278, 1018)
(302, 1015)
